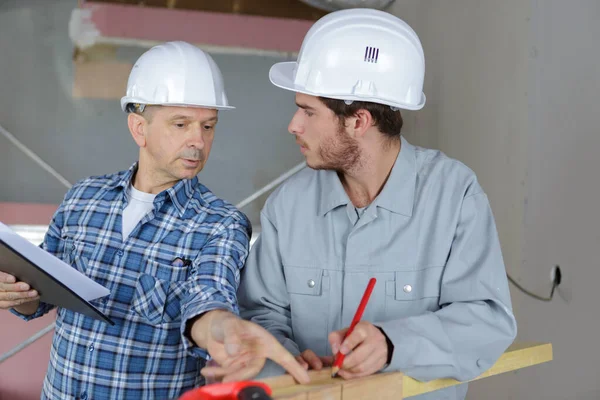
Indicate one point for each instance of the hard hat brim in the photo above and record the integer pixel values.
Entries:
(128, 100)
(282, 76)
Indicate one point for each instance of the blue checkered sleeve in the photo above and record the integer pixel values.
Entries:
(216, 276)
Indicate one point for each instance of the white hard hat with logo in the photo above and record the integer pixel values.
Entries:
(358, 55)
(176, 74)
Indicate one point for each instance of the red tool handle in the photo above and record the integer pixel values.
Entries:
(228, 391)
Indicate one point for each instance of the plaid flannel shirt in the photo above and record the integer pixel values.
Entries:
(181, 260)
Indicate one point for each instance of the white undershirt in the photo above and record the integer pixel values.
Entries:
(140, 204)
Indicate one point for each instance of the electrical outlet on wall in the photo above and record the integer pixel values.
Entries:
(556, 275)
(563, 283)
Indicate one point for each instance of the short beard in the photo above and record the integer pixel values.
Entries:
(341, 153)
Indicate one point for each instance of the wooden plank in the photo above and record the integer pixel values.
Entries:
(395, 385)
(317, 378)
(309, 392)
(285, 387)
(297, 396)
(381, 387)
(323, 386)
(329, 392)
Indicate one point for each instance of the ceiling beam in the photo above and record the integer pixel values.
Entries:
(98, 22)
(295, 9)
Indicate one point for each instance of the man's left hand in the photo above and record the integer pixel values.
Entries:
(365, 349)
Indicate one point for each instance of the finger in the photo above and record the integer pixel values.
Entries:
(246, 369)
(358, 335)
(14, 287)
(301, 361)
(246, 373)
(327, 361)
(313, 360)
(349, 375)
(218, 371)
(267, 345)
(240, 359)
(371, 365)
(211, 379)
(361, 353)
(336, 338)
(5, 305)
(7, 278)
(18, 296)
(232, 337)
(287, 361)
(284, 358)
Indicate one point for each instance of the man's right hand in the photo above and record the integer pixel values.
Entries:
(17, 295)
(240, 348)
(308, 359)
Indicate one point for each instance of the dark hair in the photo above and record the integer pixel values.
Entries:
(388, 121)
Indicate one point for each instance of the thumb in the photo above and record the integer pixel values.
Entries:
(336, 338)
(232, 336)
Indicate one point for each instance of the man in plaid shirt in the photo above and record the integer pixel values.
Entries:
(166, 247)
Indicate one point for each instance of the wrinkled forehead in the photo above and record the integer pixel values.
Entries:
(190, 113)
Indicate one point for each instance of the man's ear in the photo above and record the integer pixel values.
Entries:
(360, 122)
(138, 127)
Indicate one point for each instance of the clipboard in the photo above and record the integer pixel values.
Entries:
(51, 289)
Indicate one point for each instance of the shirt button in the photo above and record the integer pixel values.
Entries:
(311, 283)
(91, 348)
(119, 253)
(84, 396)
(407, 288)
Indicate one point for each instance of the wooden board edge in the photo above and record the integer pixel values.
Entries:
(518, 357)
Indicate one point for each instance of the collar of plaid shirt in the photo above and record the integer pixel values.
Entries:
(180, 193)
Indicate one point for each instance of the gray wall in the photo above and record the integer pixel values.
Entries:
(82, 137)
(563, 192)
(513, 92)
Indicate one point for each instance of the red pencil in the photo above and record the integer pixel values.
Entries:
(339, 357)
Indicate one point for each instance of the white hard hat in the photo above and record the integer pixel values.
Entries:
(176, 74)
(358, 55)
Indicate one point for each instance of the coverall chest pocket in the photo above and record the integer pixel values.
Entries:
(413, 292)
(308, 289)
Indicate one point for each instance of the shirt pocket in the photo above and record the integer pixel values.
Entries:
(413, 292)
(78, 254)
(308, 289)
(160, 293)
